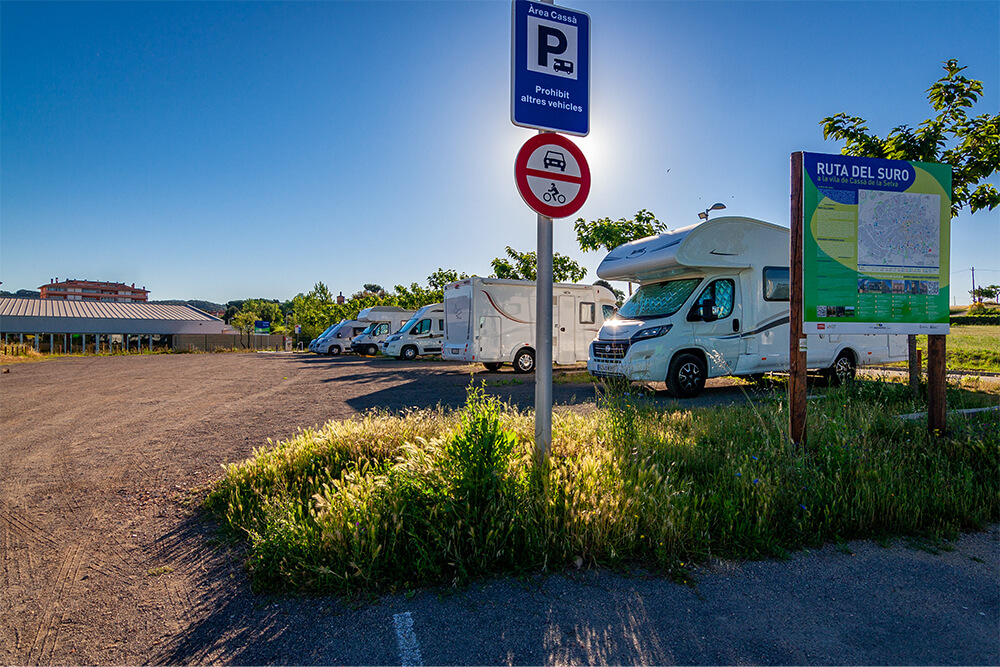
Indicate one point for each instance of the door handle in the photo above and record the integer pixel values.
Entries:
(562, 329)
(736, 324)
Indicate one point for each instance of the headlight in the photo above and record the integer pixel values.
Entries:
(651, 332)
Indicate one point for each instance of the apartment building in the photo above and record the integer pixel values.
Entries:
(93, 290)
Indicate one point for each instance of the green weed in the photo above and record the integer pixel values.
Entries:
(443, 497)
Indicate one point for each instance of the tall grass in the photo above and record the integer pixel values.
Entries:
(442, 497)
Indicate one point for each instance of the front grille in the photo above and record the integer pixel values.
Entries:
(608, 350)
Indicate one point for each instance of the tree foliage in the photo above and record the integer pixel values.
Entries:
(989, 292)
(524, 266)
(608, 234)
(970, 145)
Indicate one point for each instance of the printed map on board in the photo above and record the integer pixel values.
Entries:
(898, 231)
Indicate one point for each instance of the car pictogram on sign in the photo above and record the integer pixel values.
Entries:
(555, 159)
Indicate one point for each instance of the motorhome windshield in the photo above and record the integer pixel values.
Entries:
(407, 324)
(658, 299)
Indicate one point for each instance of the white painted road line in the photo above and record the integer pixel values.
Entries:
(409, 647)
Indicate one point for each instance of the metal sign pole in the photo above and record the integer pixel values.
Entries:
(543, 341)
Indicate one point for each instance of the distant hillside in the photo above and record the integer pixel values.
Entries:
(207, 306)
(21, 294)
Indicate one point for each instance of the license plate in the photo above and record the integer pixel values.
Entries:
(605, 367)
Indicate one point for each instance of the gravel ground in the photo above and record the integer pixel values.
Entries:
(105, 561)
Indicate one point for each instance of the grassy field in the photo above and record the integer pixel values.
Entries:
(970, 347)
(392, 502)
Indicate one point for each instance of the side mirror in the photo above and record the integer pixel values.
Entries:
(704, 311)
(708, 311)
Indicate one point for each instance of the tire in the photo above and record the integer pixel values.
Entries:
(686, 377)
(843, 369)
(409, 353)
(372, 350)
(492, 366)
(333, 350)
(524, 360)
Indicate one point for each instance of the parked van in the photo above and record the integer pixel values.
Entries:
(421, 334)
(713, 300)
(314, 341)
(492, 321)
(337, 339)
(380, 322)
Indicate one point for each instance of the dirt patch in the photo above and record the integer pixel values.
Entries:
(102, 458)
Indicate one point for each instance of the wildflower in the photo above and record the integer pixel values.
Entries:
(802, 506)
(739, 474)
(753, 457)
(755, 481)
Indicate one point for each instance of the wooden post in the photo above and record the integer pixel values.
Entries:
(937, 408)
(796, 350)
(913, 364)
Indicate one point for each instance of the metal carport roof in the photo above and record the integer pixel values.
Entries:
(59, 316)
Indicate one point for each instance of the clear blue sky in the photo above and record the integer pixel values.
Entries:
(230, 150)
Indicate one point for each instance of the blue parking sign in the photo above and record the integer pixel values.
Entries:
(550, 68)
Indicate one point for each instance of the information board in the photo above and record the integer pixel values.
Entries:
(876, 244)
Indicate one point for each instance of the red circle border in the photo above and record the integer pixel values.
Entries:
(521, 175)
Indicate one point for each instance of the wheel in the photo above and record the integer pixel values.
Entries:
(686, 377)
(409, 353)
(334, 350)
(492, 366)
(842, 370)
(372, 350)
(524, 360)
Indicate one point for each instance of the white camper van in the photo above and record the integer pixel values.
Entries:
(317, 339)
(338, 338)
(421, 334)
(713, 300)
(492, 321)
(381, 321)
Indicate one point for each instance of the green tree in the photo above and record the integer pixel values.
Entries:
(608, 234)
(316, 310)
(243, 321)
(990, 292)
(970, 145)
(524, 266)
(442, 277)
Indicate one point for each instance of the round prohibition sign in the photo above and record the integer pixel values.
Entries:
(552, 175)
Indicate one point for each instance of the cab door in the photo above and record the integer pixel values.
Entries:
(717, 325)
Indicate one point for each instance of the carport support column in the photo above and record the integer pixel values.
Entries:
(543, 342)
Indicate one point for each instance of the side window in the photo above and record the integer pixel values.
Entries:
(382, 330)
(440, 325)
(609, 311)
(722, 292)
(423, 326)
(587, 313)
(777, 285)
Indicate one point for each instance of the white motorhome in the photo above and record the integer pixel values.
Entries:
(338, 338)
(421, 334)
(492, 321)
(713, 300)
(381, 321)
(312, 343)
